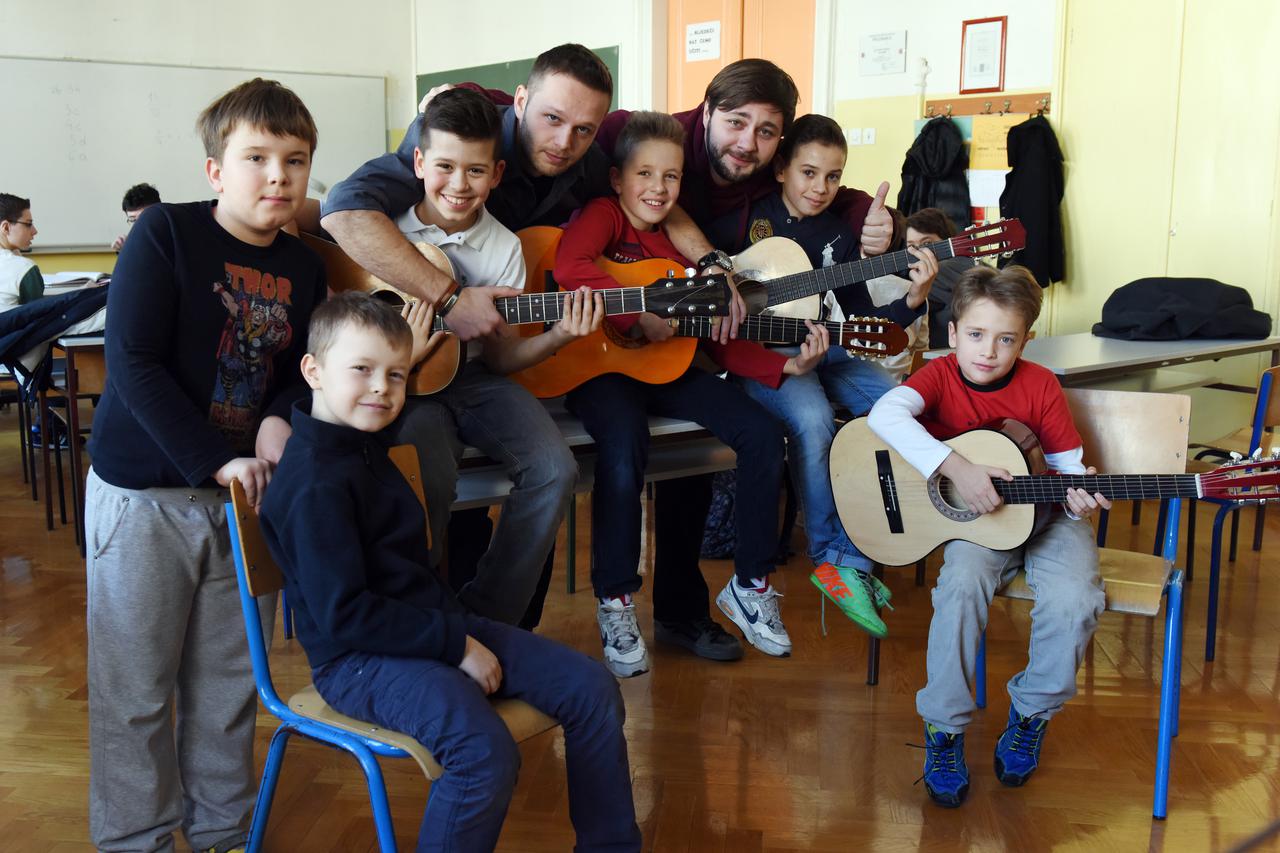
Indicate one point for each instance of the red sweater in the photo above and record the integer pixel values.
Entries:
(602, 230)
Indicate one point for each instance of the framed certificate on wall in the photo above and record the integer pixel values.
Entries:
(982, 55)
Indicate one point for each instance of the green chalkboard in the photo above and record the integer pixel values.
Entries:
(507, 75)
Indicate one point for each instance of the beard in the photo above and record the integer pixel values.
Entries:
(528, 147)
(725, 170)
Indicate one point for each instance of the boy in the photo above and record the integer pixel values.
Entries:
(458, 163)
(20, 279)
(808, 167)
(649, 159)
(208, 314)
(931, 225)
(986, 381)
(136, 199)
(386, 640)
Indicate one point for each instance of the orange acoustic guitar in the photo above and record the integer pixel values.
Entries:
(666, 296)
(608, 351)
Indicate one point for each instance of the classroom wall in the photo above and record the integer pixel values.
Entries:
(891, 102)
(505, 30)
(320, 36)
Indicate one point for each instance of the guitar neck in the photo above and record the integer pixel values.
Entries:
(789, 288)
(862, 333)
(1052, 488)
(549, 307)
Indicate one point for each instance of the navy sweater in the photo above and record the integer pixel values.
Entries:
(204, 337)
(350, 536)
(826, 238)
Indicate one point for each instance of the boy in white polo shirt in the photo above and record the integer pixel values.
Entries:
(457, 160)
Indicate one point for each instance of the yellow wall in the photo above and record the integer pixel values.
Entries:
(75, 261)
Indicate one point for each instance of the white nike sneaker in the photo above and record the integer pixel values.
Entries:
(756, 614)
(624, 649)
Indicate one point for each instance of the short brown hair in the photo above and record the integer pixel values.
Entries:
(258, 103)
(466, 114)
(931, 220)
(811, 128)
(754, 81)
(643, 126)
(1013, 288)
(353, 308)
(577, 62)
(13, 206)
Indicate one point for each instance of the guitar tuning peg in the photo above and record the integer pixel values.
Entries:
(690, 272)
(1275, 453)
(1235, 456)
(1256, 454)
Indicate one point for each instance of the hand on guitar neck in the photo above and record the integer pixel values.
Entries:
(973, 484)
(812, 351)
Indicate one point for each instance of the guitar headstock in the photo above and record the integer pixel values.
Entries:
(701, 296)
(871, 337)
(1256, 478)
(993, 238)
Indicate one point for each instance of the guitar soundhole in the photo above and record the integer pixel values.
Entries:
(618, 339)
(946, 501)
(390, 297)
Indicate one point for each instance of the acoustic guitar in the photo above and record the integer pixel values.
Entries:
(774, 275)
(896, 517)
(674, 296)
(608, 351)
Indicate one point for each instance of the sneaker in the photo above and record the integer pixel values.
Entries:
(755, 612)
(235, 844)
(946, 776)
(855, 595)
(624, 650)
(1018, 749)
(704, 637)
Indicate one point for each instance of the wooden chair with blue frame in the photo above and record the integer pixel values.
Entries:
(1126, 431)
(306, 712)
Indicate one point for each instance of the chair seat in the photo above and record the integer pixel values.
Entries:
(1134, 583)
(523, 720)
(1237, 441)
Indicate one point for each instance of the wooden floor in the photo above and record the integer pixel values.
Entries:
(758, 755)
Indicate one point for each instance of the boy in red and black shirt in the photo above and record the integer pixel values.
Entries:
(614, 408)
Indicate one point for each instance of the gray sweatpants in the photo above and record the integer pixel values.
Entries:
(171, 692)
(1062, 569)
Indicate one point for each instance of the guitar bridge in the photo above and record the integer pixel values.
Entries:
(888, 491)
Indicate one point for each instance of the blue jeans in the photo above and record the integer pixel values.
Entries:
(615, 410)
(505, 422)
(803, 405)
(448, 713)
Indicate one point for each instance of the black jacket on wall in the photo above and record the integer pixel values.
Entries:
(933, 173)
(1033, 194)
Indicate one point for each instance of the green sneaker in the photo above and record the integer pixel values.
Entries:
(853, 592)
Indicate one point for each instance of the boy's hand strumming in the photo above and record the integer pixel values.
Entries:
(1081, 504)
(480, 664)
(253, 474)
(973, 482)
(654, 327)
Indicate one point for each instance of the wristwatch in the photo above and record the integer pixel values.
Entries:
(716, 258)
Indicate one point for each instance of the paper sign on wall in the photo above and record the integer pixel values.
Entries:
(702, 41)
(989, 147)
(883, 53)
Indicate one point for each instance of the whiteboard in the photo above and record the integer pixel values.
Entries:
(78, 134)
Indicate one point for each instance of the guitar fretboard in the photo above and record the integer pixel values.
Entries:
(549, 307)
(767, 328)
(1052, 488)
(789, 288)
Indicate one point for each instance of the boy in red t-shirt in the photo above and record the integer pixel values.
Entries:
(986, 381)
(649, 158)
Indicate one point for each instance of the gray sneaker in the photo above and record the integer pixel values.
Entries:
(624, 650)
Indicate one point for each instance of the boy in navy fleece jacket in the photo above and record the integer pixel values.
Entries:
(386, 640)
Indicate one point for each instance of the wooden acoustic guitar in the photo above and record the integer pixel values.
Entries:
(896, 517)
(774, 275)
(608, 351)
(666, 296)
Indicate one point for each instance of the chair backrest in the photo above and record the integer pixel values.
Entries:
(91, 371)
(1132, 432)
(1266, 405)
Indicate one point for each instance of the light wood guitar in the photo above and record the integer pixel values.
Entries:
(674, 296)
(608, 351)
(896, 517)
(774, 275)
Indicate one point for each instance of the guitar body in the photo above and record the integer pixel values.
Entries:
(439, 368)
(771, 258)
(604, 351)
(928, 514)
